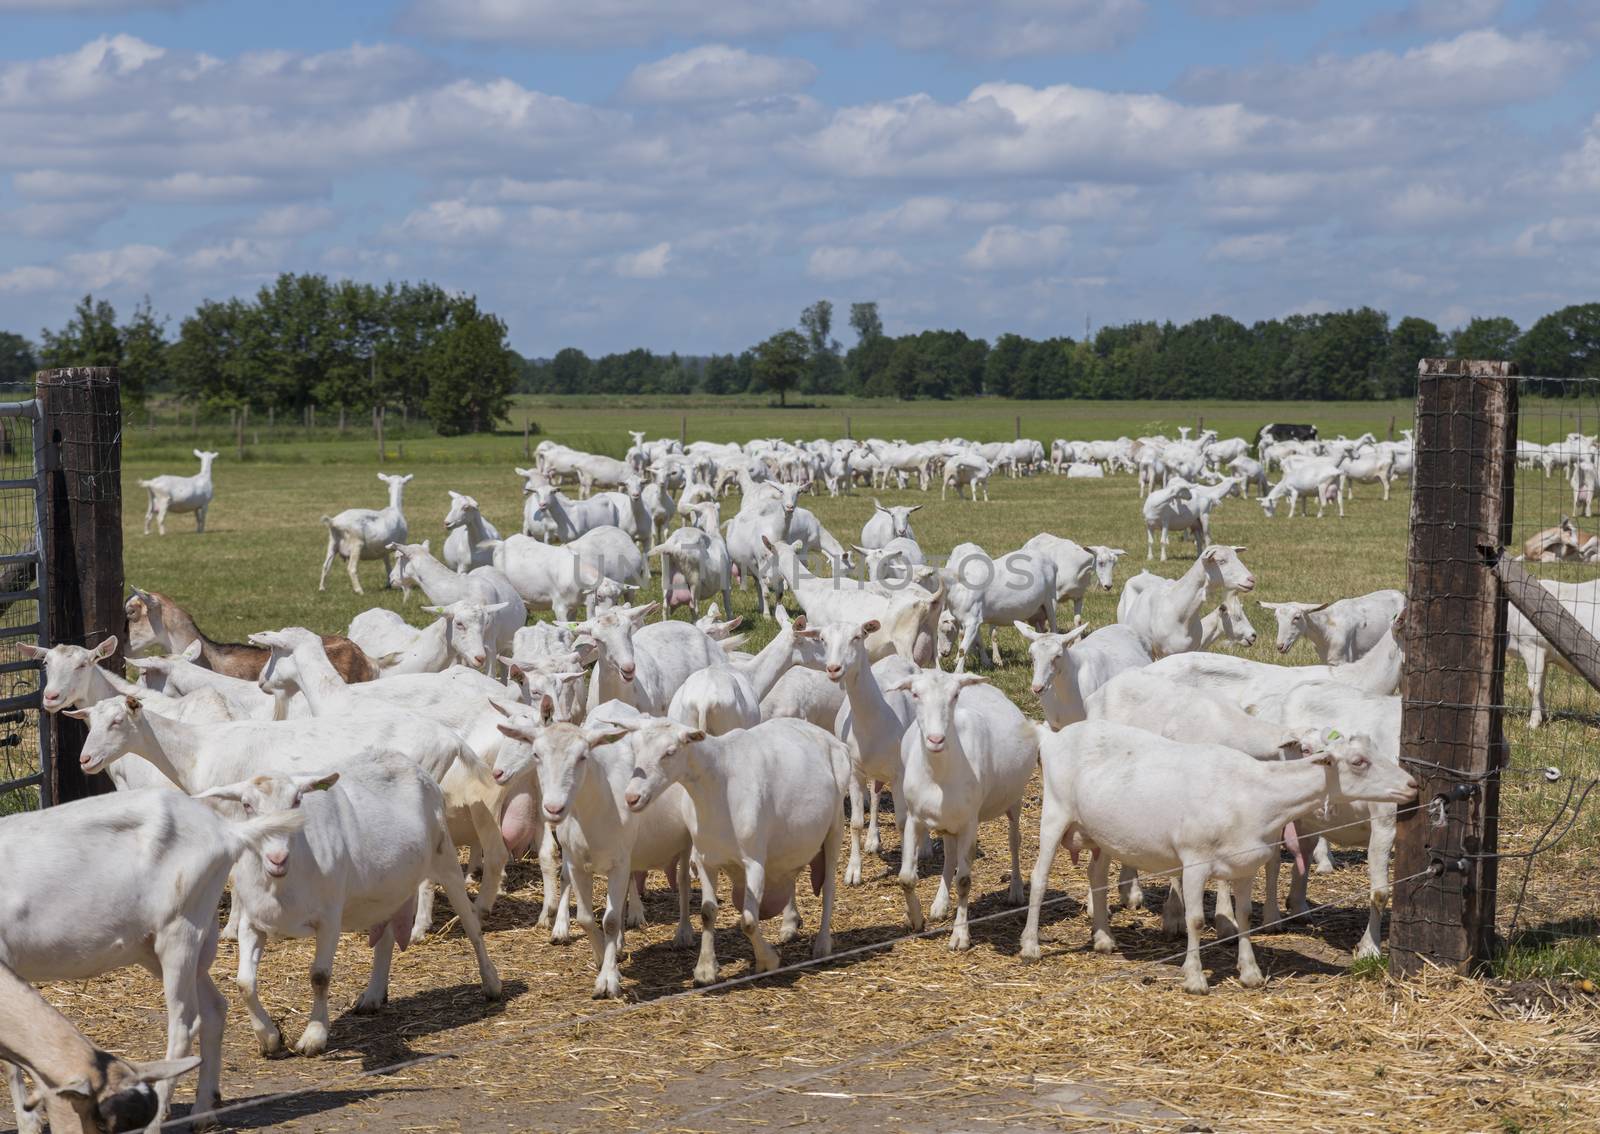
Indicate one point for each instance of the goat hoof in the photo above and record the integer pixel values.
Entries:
(313, 1041)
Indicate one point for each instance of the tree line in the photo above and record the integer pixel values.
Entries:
(300, 341)
(1340, 355)
(348, 347)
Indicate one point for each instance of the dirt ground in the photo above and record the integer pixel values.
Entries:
(907, 1038)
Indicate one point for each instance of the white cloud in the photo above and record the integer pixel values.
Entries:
(454, 222)
(1580, 169)
(31, 278)
(238, 254)
(1478, 68)
(77, 219)
(1005, 247)
(1010, 128)
(94, 69)
(1556, 235)
(292, 220)
(1086, 202)
(1250, 249)
(608, 23)
(1435, 16)
(646, 264)
(843, 262)
(129, 266)
(1008, 29)
(716, 72)
(998, 29)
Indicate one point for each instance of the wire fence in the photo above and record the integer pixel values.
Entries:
(20, 751)
(1549, 813)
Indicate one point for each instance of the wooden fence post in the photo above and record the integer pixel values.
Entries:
(683, 429)
(377, 425)
(1452, 682)
(527, 422)
(81, 425)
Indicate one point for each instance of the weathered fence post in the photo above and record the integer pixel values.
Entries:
(377, 425)
(527, 423)
(683, 429)
(81, 410)
(1452, 683)
(847, 433)
(1019, 428)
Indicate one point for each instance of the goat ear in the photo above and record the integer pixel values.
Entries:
(695, 736)
(321, 782)
(29, 650)
(966, 679)
(1026, 631)
(899, 686)
(871, 626)
(105, 649)
(192, 650)
(499, 707)
(914, 508)
(547, 708)
(133, 705)
(76, 714)
(1319, 606)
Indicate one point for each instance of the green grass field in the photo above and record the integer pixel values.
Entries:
(256, 566)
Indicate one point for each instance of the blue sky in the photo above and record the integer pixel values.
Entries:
(687, 174)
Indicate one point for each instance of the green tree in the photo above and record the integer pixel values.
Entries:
(1564, 344)
(569, 372)
(212, 355)
(1001, 369)
(824, 369)
(780, 363)
(1491, 338)
(90, 338)
(722, 375)
(473, 374)
(1411, 340)
(865, 322)
(145, 354)
(17, 360)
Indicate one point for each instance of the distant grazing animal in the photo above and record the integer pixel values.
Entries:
(181, 494)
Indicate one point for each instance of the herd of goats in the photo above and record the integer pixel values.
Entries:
(328, 780)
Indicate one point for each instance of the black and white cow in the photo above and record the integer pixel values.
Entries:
(1279, 431)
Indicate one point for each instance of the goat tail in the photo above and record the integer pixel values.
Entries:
(254, 833)
(147, 484)
(328, 520)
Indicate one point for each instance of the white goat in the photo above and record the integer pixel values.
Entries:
(1342, 631)
(366, 533)
(1196, 811)
(374, 834)
(185, 494)
(130, 878)
(767, 804)
(967, 757)
(1166, 613)
(1078, 568)
(464, 547)
(886, 524)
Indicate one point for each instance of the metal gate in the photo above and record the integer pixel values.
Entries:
(25, 774)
